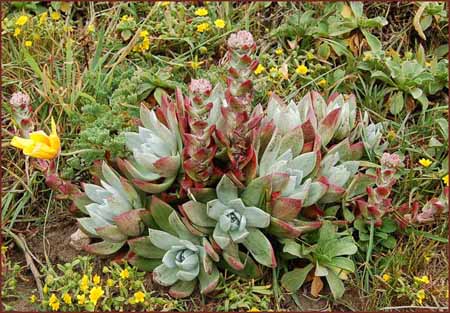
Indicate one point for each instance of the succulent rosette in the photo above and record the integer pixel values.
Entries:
(230, 222)
(156, 151)
(176, 257)
(115, 212)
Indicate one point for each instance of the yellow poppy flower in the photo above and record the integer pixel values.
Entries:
(386, 277)
(17, 32)
(32, 299)
(28, 43)
(39, 145)
(279, 51)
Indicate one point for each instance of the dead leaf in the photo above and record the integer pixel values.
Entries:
(416, 20)
(316, 286)
(346, 11)
(284, 71)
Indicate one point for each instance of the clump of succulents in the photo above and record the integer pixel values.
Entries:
(227, 182)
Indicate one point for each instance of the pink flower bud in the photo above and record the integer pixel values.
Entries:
(391, 160)
(20, 100)
(200, 86)
(242, 40)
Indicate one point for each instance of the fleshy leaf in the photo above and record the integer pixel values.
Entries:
(104, 247)
(260, 248)
(160, 213)
(182, 289)
(294, 279)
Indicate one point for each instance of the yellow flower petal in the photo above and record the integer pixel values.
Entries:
(425, 162)
(40, 137)
(21, 143)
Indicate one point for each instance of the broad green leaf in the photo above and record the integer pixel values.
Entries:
(294, 279)
(336, 285)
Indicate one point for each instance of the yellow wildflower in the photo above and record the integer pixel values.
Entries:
(279, 51)
(420, 296)
(43, 18)
(28, 43)
(143, 34)
(45, 290)
(423, 280)
(124, 274)
(95, 294)
(322, 83)
(259, 69)
(202, 27)
(301, 69)
(17, 32)
(253, 309)
(84, 284)
(96, 279)
(126, 18)
(139, 297)
(219, 23)
(427, 258)
(39, 145)
(32, 299)
(67, 298)
(445, 179)
(110, 282)
(201, 12)
(309, 56)
(425, 162)
(195, 64)
(55, 16)
(91, 28)
(81, 299)
(53, 302)
(386, 277)
(22, 20)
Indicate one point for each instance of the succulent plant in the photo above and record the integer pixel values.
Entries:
(233, 223)
(378, 202)
(176, 257)
(327, 258)
(156, 151)
(21, 112)
(114, 213)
